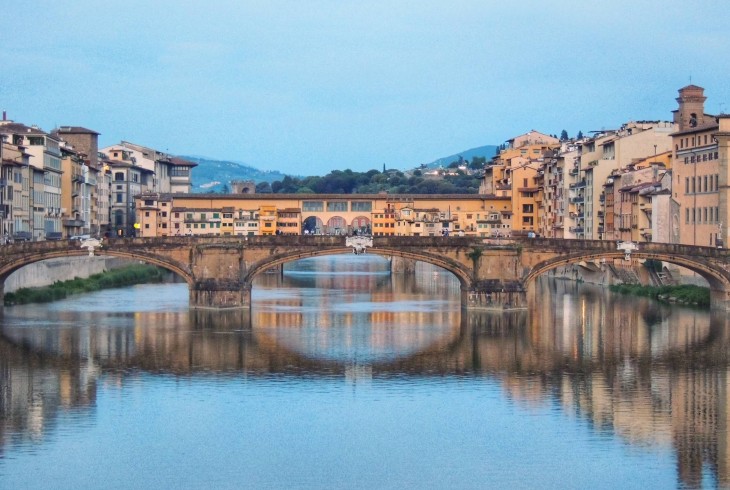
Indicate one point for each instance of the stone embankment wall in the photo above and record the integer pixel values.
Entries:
(47, 272)
(593, 274)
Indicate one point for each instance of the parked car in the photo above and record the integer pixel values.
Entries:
(22, 236)
(80, 237)
(54, 235)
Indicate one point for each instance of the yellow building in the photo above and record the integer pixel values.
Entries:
(289, 221)
(514, 173)
(267, 219)
(701, 175)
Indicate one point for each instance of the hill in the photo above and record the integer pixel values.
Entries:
(211, 175)
(487, 151)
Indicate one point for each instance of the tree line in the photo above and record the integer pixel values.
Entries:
(459, 177)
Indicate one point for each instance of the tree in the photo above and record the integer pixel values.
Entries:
(564, 136)
(225, 189)
(263, 188)
(579, 136)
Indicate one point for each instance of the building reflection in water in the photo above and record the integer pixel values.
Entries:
(655, 375)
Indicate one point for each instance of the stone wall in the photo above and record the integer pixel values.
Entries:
(47, 272)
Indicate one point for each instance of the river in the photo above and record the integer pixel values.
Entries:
(345, 376)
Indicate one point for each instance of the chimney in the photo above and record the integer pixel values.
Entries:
(5, 116)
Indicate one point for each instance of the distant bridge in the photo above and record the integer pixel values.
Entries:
(493, 274)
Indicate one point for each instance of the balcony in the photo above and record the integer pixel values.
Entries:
(576, 229)
(578, 185)
(576, 199)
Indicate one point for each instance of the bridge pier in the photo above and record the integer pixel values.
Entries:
(495, 295)
(401, 265)
(719, 300)
(220, 293)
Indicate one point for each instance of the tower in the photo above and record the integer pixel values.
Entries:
(691, 112)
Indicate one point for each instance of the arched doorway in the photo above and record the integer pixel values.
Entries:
(361, 226)
(336, 225)
(312, 226)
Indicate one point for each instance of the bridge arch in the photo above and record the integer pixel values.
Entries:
(463, 274)
(718, 279)
(31, 258)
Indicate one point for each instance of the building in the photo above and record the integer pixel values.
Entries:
(44, 173)
(96, 178)
(302, 214)
(701, 178)
(599, 157)
(514, 173)
(169, 174)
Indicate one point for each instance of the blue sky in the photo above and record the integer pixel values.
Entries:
(306, 87)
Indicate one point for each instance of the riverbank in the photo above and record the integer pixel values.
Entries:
(47, 272)
(683, 294)
(115, 278)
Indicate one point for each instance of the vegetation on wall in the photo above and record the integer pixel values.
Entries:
(684, 294)
(115, 278)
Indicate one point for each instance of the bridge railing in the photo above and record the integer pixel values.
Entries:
(547, 244)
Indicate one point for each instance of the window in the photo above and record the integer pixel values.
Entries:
(313, 206)
(119, 197)
(337, 206)
(118, 176)
(361, 206)
(216, 215)
(147, 214)
(179, 171)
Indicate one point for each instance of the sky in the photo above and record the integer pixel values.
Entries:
(306, 87)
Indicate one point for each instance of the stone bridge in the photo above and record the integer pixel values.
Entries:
(494, 274)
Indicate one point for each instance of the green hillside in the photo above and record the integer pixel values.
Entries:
(212, 175)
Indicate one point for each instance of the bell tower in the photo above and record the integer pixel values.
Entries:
(691, 112)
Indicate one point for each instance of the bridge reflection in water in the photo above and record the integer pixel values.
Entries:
(655, 375)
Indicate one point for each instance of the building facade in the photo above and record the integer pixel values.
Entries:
(303, 214)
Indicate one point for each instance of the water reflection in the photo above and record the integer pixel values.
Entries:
(654, 375)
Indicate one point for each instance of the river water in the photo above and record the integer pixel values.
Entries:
(343, 376)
